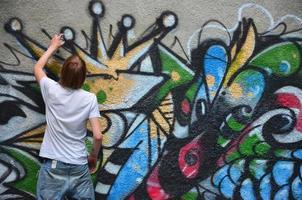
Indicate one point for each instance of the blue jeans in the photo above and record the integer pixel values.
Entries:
(58, 180)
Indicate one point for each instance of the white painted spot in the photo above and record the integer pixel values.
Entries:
(127, 21)
(68, 34)
(97, 8)
(203, 108)
(16, 25)
(112, 168)
(136, 122)
(146, 65)
(102, 188)
(180, 131)
(169, 20)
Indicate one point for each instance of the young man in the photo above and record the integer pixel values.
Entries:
(65, 170)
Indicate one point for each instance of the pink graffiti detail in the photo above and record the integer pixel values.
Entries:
(288, 100)
(154, 188)
(131, 197)
(291, 101)
(185, 106)
(190, 158)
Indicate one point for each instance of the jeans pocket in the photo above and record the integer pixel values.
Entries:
(82, 188)
(50, 186)
(81, 183)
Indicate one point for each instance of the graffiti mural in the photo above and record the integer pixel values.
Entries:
(222, 122)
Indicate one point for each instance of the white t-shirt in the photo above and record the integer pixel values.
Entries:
(67, 112)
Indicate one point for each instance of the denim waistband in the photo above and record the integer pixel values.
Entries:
(48, 160)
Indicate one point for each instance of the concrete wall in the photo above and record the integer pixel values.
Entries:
(199, 100)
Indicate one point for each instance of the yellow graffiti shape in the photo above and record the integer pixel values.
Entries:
(115, 90)
(175, 76)
(53, 64)
(243, 55)
(210, 80)
(236, 90)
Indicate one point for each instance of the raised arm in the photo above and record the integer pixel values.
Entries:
(97, 143)
(55, 43)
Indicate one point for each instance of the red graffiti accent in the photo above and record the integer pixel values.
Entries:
(291, 101)
(154, 188)
(190, 158)
(299, 123)
(185, 106)
(288, 100)
(131, 197)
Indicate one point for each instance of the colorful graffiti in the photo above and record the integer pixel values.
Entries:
(222, 123)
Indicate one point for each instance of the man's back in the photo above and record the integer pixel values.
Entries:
(67, 111)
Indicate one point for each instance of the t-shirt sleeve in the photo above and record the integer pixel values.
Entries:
(94, 109)
(45, 83)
